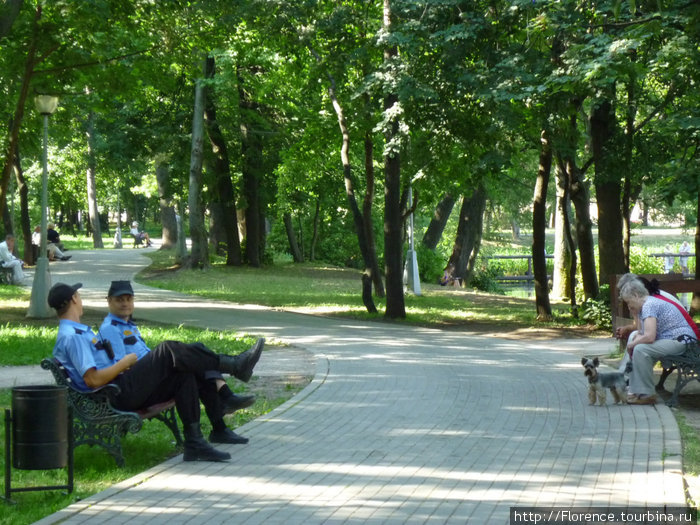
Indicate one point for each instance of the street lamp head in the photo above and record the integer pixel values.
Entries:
(46, 104)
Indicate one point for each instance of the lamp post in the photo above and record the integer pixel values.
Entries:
(38, 305)
(411, 258)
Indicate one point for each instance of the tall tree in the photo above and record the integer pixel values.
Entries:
(94, 213)
(393, 220)
(199, 256)
(224, 196)
(539, 221)
(468, 237)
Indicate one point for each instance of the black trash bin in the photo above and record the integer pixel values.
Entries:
(40, 429)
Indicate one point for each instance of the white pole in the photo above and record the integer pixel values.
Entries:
(38, 305)
(411, 258)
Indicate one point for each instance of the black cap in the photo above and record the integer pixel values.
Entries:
(61, 293)
(120, 288)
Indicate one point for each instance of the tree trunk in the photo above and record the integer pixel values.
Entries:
(93, 211)
(8, 14)
(25, 220)
(292, 238)
(608, 189)
(224, 195)
(251, 153)
(695, 302)
(16, 123)
(561, 285)
(7, 222)
(314, 233)
(371, 260)
(252, 158)
(468, 238)
(367, 250)
(200, 250)
(433, 234)
(580, 197)
(167, 209)
(393, 220)
(539, 224)
(627, 168)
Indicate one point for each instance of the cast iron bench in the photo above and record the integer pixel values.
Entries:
(686, 364)
(5, 275)
(97, 422)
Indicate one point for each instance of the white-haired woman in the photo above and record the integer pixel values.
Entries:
(143, 236)
(628, 332)
(663, 330)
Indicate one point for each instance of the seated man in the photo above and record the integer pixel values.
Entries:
(54, 252)
(168, 372)
(122, 333)
(8, 259)
(53, 237)
(142, 236)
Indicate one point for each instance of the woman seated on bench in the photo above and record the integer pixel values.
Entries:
(663, 331)
(139, 236)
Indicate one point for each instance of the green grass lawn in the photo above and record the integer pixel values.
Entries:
(333, 291)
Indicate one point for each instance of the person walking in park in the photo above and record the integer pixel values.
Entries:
(123, 334)
(8, 259)
(168, 372)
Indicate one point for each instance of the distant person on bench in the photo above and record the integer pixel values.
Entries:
(669, 259)
(139, 235)
(684, 252)
(8, 259)
(55, 252)
(53, 237)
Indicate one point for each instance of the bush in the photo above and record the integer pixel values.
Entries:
(641, 263)
(430, 264)
(483, 278)
(597, 311)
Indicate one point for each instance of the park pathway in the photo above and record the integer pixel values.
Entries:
(399, 425)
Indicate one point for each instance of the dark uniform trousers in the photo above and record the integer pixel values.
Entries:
(172, 370)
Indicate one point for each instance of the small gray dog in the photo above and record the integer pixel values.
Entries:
(599, 381)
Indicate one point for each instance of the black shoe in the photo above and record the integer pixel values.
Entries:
(227, 436)
(241, 366)
(66, 257)
(197, 449)
(236, 402)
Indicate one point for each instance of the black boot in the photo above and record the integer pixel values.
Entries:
(197, 448)
(237, 402)
(241, 366)
(227, 436)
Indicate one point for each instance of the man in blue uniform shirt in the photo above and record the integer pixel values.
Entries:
(123, 334)
(168, 372)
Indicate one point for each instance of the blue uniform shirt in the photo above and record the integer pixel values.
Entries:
(124, 336)
(79, 349)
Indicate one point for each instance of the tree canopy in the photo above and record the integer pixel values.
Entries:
(313, 109)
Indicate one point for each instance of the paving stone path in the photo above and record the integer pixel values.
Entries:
(399, 425)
